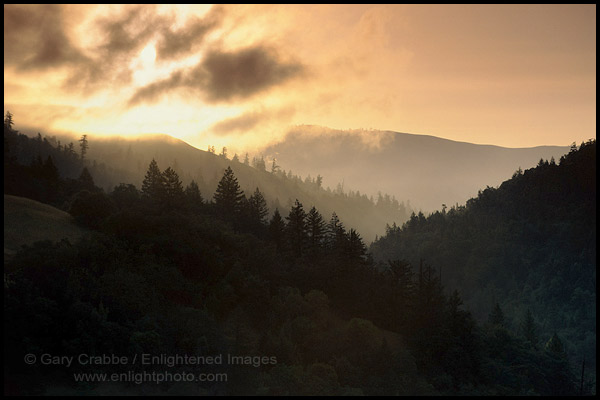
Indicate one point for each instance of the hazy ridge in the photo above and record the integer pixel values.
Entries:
(426, 170)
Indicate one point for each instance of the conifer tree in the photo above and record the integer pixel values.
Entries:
(529, 329)
(193, 196)
(153, 186)
(316, 229)
(173, 189)
(296, 229)
(277, 229)
(228, 196)
(8, 120)
(257, 207)
(356, 246)
(555, 346)
(84, 146)
(50, 170)
(85, 181)
(336, 234)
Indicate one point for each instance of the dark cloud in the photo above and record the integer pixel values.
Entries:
(128, 33)
(175, 43)
(244, 73)
(225, 76)
(249, 120)
(34, 38)
(239, 123)
(122, 37)
(154, 90)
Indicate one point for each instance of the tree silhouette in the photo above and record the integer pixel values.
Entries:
(315, 228)
(85, 181)
(228, 196)
(296, 229)
(356, 247)
(529, 329)
(277, 229)
(8, 120)
(84, 146)
(496, 316)
(173, 190)
(336, 234)
(257, 207)
(153, 186)
(193, 197)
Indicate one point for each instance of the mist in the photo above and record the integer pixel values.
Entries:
(427, 171)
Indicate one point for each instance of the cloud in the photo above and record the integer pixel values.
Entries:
(123, 34)
(247, 121)
(34, 38)
(175, 43)
(225, 76)
(239, 123)
(127, 33)
(244, 73)
(153, 91)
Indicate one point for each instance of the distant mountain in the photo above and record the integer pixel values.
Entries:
(427, 170)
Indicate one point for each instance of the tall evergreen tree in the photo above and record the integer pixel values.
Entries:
(85, 181)
(555, 346)
(193, 197)
(228, 196)
(296, 229)
(316, 229)
(277, 229)
(529, 329)
(401, 278)
(356, 247)
(336, 234)
(50, 170)
(257, 207)
(153, 186)
(84, 146)
(8, 120)
(173, 189)
(496, 317)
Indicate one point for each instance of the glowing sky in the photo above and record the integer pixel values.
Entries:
(240, 76)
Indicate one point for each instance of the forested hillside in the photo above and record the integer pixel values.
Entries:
(528, 246)
(111, 161)
(289, 300)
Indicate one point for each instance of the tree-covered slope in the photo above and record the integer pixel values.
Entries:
(529, 244)
(112, 161)
(292, 303)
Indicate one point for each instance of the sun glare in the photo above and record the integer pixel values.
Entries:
(148, 55)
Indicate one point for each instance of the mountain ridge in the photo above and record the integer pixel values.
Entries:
(425, 169)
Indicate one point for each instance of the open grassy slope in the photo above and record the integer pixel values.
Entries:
(27, 221)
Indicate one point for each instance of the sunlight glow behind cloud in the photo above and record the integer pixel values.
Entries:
(241, 76)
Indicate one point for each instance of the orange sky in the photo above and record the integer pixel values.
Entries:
(240, 76)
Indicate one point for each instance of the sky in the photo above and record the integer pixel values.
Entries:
(242, 75)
